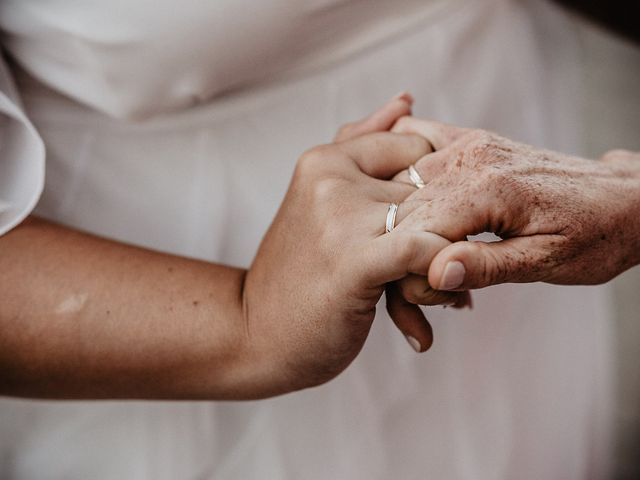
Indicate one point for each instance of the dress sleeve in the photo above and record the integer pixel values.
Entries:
(22, 157)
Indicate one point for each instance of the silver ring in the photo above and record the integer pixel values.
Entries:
(415, 177)
(391, 217)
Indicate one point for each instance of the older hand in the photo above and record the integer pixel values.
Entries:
(563, 219)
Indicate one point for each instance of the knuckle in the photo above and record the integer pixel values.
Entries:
(616, 154)
(485, 148)
(477, 136)
(421, 146)
(407, 247)
(410, 292)
(312, 162)
(323, 190)
(345, 131)
(403, 125)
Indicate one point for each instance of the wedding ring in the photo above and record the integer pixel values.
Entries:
(391, 217)
(415, 177)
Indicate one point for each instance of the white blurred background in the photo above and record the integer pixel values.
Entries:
(613, 109)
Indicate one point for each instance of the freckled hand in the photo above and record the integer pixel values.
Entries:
(558, 215)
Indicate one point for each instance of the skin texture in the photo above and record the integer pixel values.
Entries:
(85, 317)
(402, 302)
(563, 219)
(327, 259)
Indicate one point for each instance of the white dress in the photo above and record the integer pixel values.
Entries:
(176, 125)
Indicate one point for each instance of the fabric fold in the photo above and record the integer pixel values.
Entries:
(22, 158)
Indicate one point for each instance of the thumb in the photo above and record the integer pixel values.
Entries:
(471, 264)
(393, 256)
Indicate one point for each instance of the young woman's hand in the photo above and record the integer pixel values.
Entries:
(88, 317)
(404, 297)
(310, 295)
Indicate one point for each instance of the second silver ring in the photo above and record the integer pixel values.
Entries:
(415, 177)
(391, 217)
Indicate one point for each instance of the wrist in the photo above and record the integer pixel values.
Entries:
(626, 165)
(259, 368)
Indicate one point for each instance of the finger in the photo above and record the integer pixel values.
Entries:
(416, 290)
(393, 255)
(439, 134)
(379, 121)
(409, 319)
(382, 155)
(617, 155)
(459, 213)
(429, 167)
(470, 265)
(385, 192)
(372, 205)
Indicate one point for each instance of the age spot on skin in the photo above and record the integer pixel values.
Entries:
(459, 159)
(72, 304)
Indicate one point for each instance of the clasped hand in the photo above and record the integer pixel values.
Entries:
(309, 298)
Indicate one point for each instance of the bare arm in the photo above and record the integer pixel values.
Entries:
(86, 317)
(83, 317)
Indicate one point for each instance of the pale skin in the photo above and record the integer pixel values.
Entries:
(564, 219)
(85, 317)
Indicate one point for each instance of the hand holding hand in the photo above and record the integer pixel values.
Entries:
(563, 219)
(310, 295)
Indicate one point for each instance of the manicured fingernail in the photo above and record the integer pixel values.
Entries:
(415, 344)
(406, 96)
(453, 276)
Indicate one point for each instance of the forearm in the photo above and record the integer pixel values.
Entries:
(83, 317)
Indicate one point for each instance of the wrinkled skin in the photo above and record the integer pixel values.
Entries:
(564, 219)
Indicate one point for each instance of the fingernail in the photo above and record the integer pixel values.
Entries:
(453, 276)
(415, 344)
(406, 96)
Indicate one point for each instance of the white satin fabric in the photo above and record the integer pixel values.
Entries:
(21, 157)
(517, 388)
